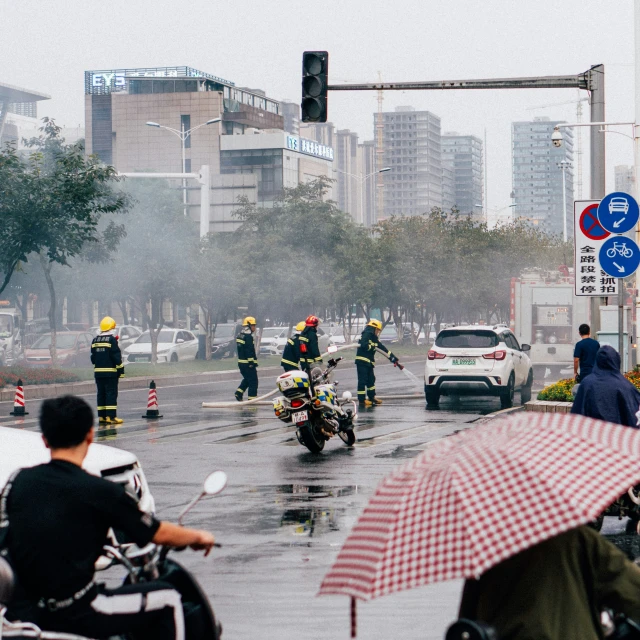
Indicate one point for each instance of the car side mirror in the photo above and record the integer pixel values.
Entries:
(179, 341)
(525, 347)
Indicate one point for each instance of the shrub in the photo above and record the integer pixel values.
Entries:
(9, 376)
(561, 391)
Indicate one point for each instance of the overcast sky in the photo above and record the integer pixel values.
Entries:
(46, 45)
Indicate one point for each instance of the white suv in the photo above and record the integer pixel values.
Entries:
(475, 360)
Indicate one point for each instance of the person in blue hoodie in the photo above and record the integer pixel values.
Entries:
(606, 394)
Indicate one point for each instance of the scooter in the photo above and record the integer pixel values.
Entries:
(311, 403)
(143, 565)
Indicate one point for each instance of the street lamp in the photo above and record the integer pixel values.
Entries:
(183, 135)
(564, 165)
(362, 179)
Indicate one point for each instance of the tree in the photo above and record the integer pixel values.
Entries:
(52, 205)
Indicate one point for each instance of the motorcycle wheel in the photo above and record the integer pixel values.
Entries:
(348, 437)
(308, 437)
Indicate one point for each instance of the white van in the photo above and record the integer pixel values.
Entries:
(20, 449)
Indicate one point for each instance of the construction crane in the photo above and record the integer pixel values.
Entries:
(578, 150)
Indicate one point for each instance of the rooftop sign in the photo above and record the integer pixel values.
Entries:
(309, 147)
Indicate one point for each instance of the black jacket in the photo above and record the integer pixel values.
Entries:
(106, 356)
(291, 352)
(246, 349)
(309, 350)
(367, 345)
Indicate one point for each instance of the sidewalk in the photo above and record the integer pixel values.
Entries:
(41, 391)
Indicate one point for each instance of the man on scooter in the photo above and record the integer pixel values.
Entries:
(54, 520)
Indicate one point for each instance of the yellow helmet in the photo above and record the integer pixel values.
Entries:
(376, 324)
(107, 323)
(248, 320)
(300, 326)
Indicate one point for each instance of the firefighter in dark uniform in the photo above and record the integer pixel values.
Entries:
(291, 354)
(107, 369)
(365, 363)
(309, 350)
(247, 360)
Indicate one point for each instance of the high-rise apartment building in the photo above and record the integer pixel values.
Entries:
(367, 167)
(412, 149)
(625, 179)
(537, 175)
(448, 186)
(463, 154)
(291, 114)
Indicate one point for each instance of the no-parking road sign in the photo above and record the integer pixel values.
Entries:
(590, 235)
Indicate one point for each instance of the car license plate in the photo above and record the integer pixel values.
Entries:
(301, 416)
(142, 359)
(463, 362)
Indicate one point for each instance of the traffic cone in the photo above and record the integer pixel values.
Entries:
(18, 401)
(152, 403)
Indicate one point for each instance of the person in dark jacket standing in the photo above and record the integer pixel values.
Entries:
(606, 394)
(107, 369)
(247, 360)
(584, 354)
(309, 349)
(365, 363)
(291, 353)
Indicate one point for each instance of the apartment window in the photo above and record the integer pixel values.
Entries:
(187, 165)
(185, 125)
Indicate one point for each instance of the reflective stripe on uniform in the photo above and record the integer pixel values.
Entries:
(239, 341)
(243, 362)
(120, 366)
(293, 364)
(105, 370)
(363, 359)
(100, 344)
(115, 406)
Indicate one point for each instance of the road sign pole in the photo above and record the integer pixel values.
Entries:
(623, 367)
(636, 141)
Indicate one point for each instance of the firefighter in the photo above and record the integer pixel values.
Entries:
(309, 350)
(291, 354)
(365, 362)
(107, 369)
(247, 360)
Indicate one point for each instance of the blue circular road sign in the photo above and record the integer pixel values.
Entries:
(619, 256)
(618, 212)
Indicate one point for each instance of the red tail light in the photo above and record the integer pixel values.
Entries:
(434, 355)
(496, 355)
(297, 403)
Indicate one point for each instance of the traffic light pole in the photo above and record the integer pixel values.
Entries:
(591, 80)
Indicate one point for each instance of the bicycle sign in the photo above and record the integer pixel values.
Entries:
(619, 256)
(618, 212)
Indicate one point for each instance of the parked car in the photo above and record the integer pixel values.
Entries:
(73, 350)
(473, 360)
(127, 334)
(26, 449)
(272, 340)
(223, 344)
(174, 345)
(389, 334)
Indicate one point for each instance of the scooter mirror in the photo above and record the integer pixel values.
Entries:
(332, 349)
(215, 483)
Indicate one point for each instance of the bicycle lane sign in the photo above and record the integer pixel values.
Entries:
(619, 256)
(589, 236)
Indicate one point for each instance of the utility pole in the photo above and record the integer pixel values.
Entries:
(636, 145)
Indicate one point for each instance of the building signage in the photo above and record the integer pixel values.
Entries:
(309, 147)
(590, 278)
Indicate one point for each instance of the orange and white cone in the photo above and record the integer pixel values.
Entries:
(152, 403)
(18, 401)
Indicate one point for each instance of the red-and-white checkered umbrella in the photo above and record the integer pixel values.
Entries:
(476, 498)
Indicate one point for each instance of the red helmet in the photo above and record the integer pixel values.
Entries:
(312, 321)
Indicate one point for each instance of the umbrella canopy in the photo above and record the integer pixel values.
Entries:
(471, 500)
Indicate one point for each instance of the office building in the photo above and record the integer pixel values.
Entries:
(412, 149)
(291, 116)
(463, 155)
(367, 167)
(448, 186)
(18, 112)
(265, 163)
(625, 179)
(537, 176)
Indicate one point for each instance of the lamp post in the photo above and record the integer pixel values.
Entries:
(495, 211)
(362, 179)
(564, 165)
(183, 135)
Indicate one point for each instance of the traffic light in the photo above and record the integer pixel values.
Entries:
(315, 70)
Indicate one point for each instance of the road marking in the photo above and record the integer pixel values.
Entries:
(398, 435)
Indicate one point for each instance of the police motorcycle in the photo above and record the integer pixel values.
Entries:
(143, 565)
(312, 405)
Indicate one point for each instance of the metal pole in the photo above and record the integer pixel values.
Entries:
(364, 218)
(636, 158)
(184, 170)
(205, 194)
(623, 366)
(595, 77)
(564, 200)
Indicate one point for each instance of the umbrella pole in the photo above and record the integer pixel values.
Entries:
(354, 621)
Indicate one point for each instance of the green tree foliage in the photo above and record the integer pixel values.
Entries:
(52, 202)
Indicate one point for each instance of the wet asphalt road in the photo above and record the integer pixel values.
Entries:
(285, 512)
